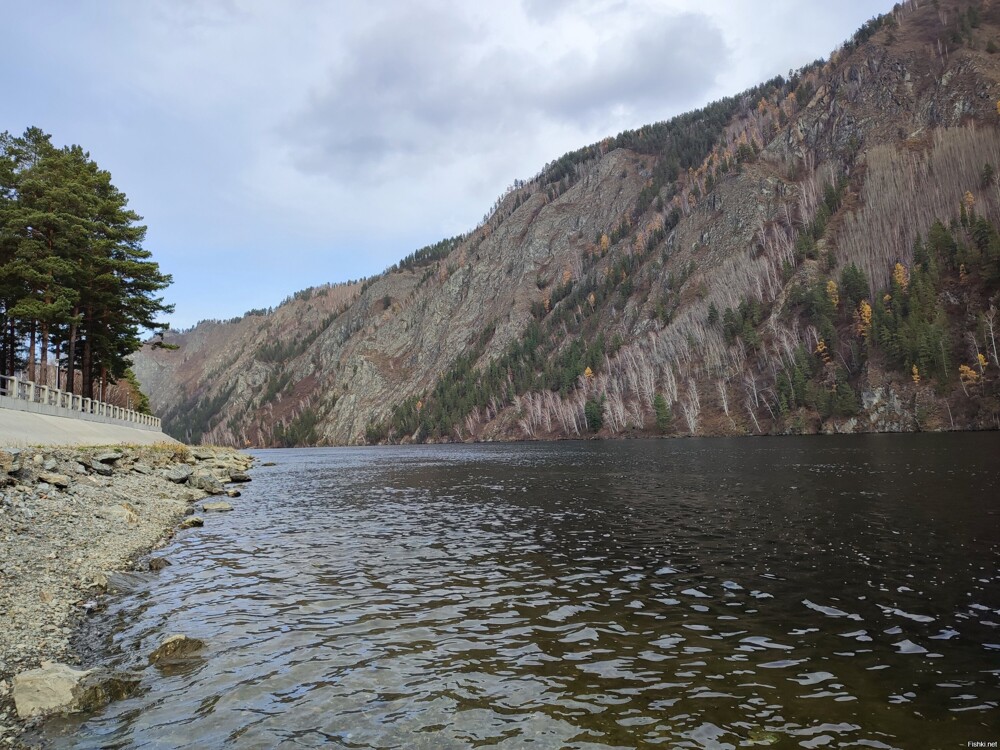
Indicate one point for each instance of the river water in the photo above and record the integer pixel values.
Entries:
(707, 593)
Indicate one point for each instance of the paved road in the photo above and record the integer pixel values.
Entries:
(19, 428)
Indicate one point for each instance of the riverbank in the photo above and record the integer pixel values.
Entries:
(72, 517)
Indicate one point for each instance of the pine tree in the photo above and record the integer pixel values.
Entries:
(72, 265)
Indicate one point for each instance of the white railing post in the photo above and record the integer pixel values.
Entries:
(27, 390)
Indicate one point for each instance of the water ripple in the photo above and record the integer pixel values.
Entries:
(703, 594)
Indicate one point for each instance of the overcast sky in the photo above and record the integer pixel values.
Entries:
(277, 145)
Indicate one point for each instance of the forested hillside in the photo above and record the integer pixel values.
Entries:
(819, 253)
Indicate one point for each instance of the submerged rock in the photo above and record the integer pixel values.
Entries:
(159, 563)
(218, 506)
(57, 688)
(175, 647)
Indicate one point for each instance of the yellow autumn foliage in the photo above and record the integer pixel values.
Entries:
(863, 318)
(967, 375)
(832, 292)
(901, 276)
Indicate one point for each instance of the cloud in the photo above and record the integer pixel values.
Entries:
(420, 89)
(278, 145)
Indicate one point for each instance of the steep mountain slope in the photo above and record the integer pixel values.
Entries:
(723, 273)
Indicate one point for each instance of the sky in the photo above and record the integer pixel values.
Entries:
(273, 145)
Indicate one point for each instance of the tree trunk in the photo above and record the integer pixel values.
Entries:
(31, 354)
(44, 375)
(88, 381)
(12, 350)
(71, 353)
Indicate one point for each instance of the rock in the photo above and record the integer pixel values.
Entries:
(141, 469)
(49, 465)
(192, 521)
(108, 457)
(203, 454)
(123, 513)
(57, 480)
(219, 506)
(239, 476)
(233, 493)
(206, 482)
(92, 606)
(175, 647)
(178, 474)
(100, 468)
(159, 563)
(10, 460)
(58, 688)
(269, 463)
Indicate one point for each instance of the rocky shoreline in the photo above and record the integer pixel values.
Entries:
(69, 517)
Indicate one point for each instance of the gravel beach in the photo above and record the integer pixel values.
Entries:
(71, 516)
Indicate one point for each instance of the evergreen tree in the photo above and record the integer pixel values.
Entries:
(72, 265)
(663, 415)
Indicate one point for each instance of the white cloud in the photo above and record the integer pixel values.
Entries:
(283, 144)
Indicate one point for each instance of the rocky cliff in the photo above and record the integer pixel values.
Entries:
(723, 273)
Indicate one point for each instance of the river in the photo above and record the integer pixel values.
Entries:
(703, 593)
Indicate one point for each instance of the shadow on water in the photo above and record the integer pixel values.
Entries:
(792, 592)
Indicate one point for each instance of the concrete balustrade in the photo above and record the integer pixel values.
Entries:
(23, 395)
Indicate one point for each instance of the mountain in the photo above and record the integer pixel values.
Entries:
(819, 253)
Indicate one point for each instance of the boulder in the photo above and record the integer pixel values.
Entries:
(100, 467)
(108, 457)
(56, 480)
(206, 482)
(218, 506)
(57, 688)
(233, 493)
(175, 647)
(192, 521)
(239, 476)
(178, 474)
(203, 454)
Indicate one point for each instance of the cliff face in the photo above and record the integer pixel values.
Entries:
(639, 285)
